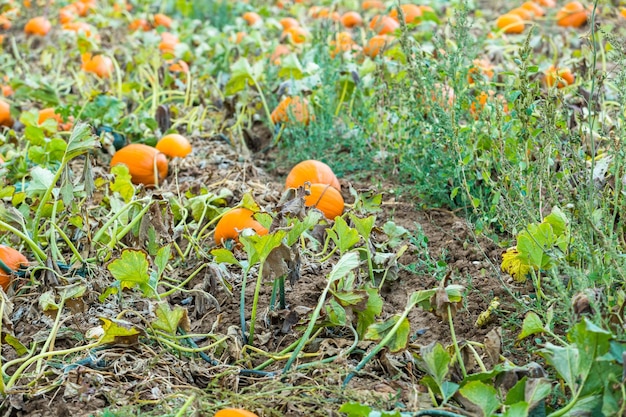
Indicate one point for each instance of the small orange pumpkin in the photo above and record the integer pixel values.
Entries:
(351, 19)
(373, 4)
(510, 23)
(326, 199)
(383, 25)
(174, 145)
(315, 172)
(146, 164)
(573, 14)
(412, 13)
(100, 65)
(13, 259)
(235, 412)
(289, 107)
(296, 34)
(38, 26)
(162, 20)
(279, 51)
(563, 75)
(5, 114)
(534, 8)
(139, 23)
(288, 22)
(376, 44)
(233, 222)
(251, 18)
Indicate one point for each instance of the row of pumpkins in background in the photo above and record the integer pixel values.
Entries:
(149, 166)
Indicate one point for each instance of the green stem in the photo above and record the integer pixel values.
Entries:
(45, 198)
(129, 226)
(185, 406)
(18, 373)
(255, 302)
(39, 253)
(53, 333)
(2, 387)
(69, 243)
(98, 236)
(456, 344)
(182, 284)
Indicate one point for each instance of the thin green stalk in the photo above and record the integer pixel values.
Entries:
(53, 333)
(129, 226)
(185, 406)
(255, 302)
(18, 373)
(39, 253)
(188, 349)
(182, 284)
(457, 350)
(69, 243)
(2, 387)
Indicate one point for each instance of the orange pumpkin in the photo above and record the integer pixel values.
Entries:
(563, 75)
(573, 14)
(100, 65)
(67, 14)
(38, 26)
(289, 107)
(383, 25)
(296, 34)
(525, 14)
(168, 42)
(412, 13)
(483, 66)
(372, 4)
(534, 8)
(13, 259)
(162, 20)
(288, 22)
(146, 164)
(375, 44)
(251, 18)
(510, 23)
(235, 412)
(326, 199)
(5, 114)
(233, 222)
(312, 171)
(279, 51)
(139, 24)
(351, 19)
(174, 145)
(342, 42)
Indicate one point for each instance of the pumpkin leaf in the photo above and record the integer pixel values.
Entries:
(81, 141)
(372, 309)
(47, 301)
(400, 338)
(290, 67)
(122, 183)
(343, 235)
(131, 270)
(119, 332)
(259, 248)
(532, 325)
(168, 320)
(363, 225)
(222, 255)
(41, 180)
(11, 340)
(240, 75)
(346, 263)
(298, 227)
(483, 395)
(248, 202)
(162, 258)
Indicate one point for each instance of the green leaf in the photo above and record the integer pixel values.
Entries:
(519, 409)
(363, 225)
(336, 313)
(122, 183)
(346, 263)
(258, 247)
(372, 309)
(41, 180)
(222, 255)
(168, 320)
(532, 325)
(343, 235)
(565, 361)
(119, 331)
(162, 258)
(298, 227)
(47, 301)
(436, 361)
(35, 135)
(81, 141)
(399, 340)
(131, 270)
(11, 340)
(290, 67)
(558, 220)
(240, 75)
(396, 234)
(484, 396)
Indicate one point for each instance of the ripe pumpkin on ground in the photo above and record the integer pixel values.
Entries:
(312, 171)
(292, 109)
(510, 23)
(376, 44)
(100, 65)
(5, 114)
(326, 199)
(38, 26)
(174, 145)
(146, 164)
(573, 14)
(412, 13)
(383, 25)
(233, 222)
(235, 412)
(12, 259)
(563, 75)
(351, 19)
